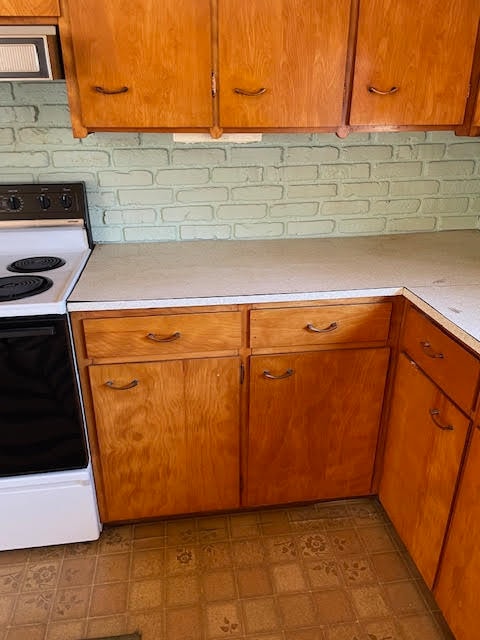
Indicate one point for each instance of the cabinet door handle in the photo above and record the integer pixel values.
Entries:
(110, 92)
(383, 93)
(245, 92)
(155, 338)
(313, 329)
(130, 385)
(444, 427)
(270, 376)
(427, 348)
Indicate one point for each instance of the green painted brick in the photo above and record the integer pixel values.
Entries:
(24, 159)
(256, 155)
(295, 210)
(460, 186)
(414, 187)
(298, 173)
(55, 175)
(112, 139)
(140, 157)
(145, 196)
(237, 174)
(52, 115)
(80, 158)
(394, 206)
(450, 168)
(464, 150)
(181, 176)
(361, 225)
(107, 234)
(6, 93)
(147, 234)
(205, 232)
(198, 156)
(397, 169)
(372, 188)
(265, 192)
(258, 230)
(310, 228)
(17, 114)
(183, 214)
(448, 223)
(411, 224)
(312, 190)
(124, 179)
(311, 155)
(241, 211)
(343, 171)
(367, 153)
(207, 194)
(399, 137)
(444, 205)
(6, 136)
(47, 135)
(345, 207)
(139, 216)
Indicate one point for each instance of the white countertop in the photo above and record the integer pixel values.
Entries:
(440, 272)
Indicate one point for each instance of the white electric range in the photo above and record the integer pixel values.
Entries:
(47, 492)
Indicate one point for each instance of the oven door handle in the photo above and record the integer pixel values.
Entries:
(27, 332)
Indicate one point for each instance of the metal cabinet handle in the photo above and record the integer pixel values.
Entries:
(155, 338)
(443, 427)
(110, 92)
(383, 93)
(427, 348)
(313, 329)
(244, 92)
(270, 376)
(130, 385)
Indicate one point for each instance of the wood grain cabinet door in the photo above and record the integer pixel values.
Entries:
(457, 590)
(282, 63)
(168, 436)
(314, 421)
(142, 64)
(29, 8)
(425, 443)
(413, 61)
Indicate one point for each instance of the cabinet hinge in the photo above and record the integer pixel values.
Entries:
(242, 372)
(214, 84)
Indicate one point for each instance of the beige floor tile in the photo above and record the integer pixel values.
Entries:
(370, 602)
(145, 594)
(67, 630)
(390, 566)
(345, 542)
(288, 577)
(223, 619)
(11, 577)
(149, 530)
(297, 610)
(77, 572)
(382, 629)
(82, 549)
(41, 575)
(183, 624)
(405, 597)
(260, 615)
(280, 548)
(247, 552)
(46, 554)
(181, 532)
(148, 563)
(30, 608)
(357, 570)
(71, 603)
(182, 590)
(27, 632)
(7, 605)
(106, 626)
(376, 539)
(314, 545)
(116, 539)
(421, 627)
(114, 567)
(350, 631)
(16, 556)
(253, 581)
(151, 625)
(274, 522)
(305, 634)
(324, 573)
(333, 607)
(212, 529)
(244, 525)
(181, 560)
(216, 555)
(219, 585)
(108, 599)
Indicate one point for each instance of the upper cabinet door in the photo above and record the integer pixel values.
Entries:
(142, 64)
(282, 63)
(33, 8)
(413, 61)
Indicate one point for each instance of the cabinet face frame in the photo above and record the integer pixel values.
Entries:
(29, 8)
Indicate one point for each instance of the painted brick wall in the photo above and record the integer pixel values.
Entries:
(145, 187)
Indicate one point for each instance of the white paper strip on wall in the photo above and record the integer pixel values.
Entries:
(239, 138)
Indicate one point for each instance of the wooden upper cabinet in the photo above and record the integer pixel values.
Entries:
(27, 8)
(282, 63)
(413, 61)
(143, 64)
(476, 117)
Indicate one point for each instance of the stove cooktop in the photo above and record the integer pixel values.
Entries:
(45, 243)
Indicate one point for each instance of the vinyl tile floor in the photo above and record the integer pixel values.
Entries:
(329, 571)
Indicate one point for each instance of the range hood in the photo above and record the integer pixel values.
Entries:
(29, 52)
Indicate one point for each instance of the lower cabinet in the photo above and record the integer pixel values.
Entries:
(168, 436)
(424, 448)
(313, 424)
(457, 591)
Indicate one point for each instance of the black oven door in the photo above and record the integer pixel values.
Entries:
(41, 422)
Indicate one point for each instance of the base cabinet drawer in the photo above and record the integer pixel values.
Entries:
(425, 443)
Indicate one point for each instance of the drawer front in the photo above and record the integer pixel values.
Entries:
(310, 326)
(447, 363)
(162, 335)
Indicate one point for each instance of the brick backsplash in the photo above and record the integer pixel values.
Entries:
(144, 187)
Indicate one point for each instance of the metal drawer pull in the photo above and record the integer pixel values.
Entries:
(383, 93)
(130, 385)
(443, 427)
(244, 92)
(270, 376)
(313, 329)
(155, 338)
(427, 348)
(110, 92)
